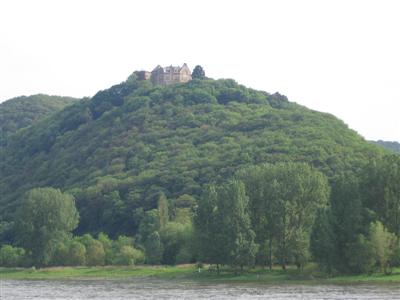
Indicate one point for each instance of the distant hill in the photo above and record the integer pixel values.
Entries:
(392, 146)
(23, 111)
(117, 151)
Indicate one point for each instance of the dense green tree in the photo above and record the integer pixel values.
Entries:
(284, 199)
(154, 249)
(185, 201)
(118, 150)
(300, 191)
(149, 224)
(223, 226)
(381, 190)
(61, 253)
(349, 220)
(145, 140)
(12, 256)
(384, 244)
(300, 248)
(163, 210)
(255, 179)
(6, 232)
(46, 216)
(198, 72)
(323, 241)
(392, 146)
(176, 238)
(128, 255)
(95, 255)
(234, 211)
(360, 255)
(211, 239)
(108, 247)
(123, 240)
(24, 111)
(77, 254)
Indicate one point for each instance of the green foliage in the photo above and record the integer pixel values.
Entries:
(209, 230)
(349, 220)
(6, 232)
(175, 237)
(323, 241)
(61, 253)
(139, 160)
(12, 256)
(355, 223)
(77, 254)
(223, 226)
(46, 216)
(117, 151)
(130, 256)
(198, 72)
(95, 255)
(154, 248)
(284, 200)
(234, 211)
(163, 211)
(384, 245)
(24, 111)
(149, 224)
(392, 146)
(360, 255)
(381, 190)
(108, 247)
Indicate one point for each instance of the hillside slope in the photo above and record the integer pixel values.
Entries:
(23, 111)
(118, 150)
(392, 146)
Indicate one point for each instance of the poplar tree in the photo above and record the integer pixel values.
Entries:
(234, 210)
(163, 210)
(209, 230)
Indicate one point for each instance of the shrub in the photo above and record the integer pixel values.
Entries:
(11, 256)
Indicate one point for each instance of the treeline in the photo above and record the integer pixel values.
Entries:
(116, 152)
(77, 251)
(43, 235)
(284, 213)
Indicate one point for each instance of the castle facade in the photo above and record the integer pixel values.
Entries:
(167, 75)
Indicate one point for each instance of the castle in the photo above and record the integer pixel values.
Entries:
(167, 75)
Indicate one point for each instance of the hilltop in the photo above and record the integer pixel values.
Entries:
(24, 111)
(116, 151)
(392, 146)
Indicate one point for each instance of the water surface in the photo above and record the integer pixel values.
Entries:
(167, 289)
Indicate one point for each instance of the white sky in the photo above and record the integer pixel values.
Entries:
(341, 57)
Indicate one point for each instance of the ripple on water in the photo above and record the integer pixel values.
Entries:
(162, 289)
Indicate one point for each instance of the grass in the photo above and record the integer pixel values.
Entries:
(310, 275)
(108, 272)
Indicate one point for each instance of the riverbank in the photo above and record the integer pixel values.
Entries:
(189, 272)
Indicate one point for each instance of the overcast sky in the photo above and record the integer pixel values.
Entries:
(341, 57)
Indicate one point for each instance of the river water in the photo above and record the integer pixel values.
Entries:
(167, 289)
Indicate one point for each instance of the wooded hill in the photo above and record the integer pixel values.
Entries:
(116, 151)
(392, 146)
(24, 111)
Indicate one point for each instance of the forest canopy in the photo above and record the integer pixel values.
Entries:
(147, 166)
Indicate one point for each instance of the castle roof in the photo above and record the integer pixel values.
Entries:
(157, 68)
(172, 69)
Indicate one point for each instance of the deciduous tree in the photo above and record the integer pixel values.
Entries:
(46, 216)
